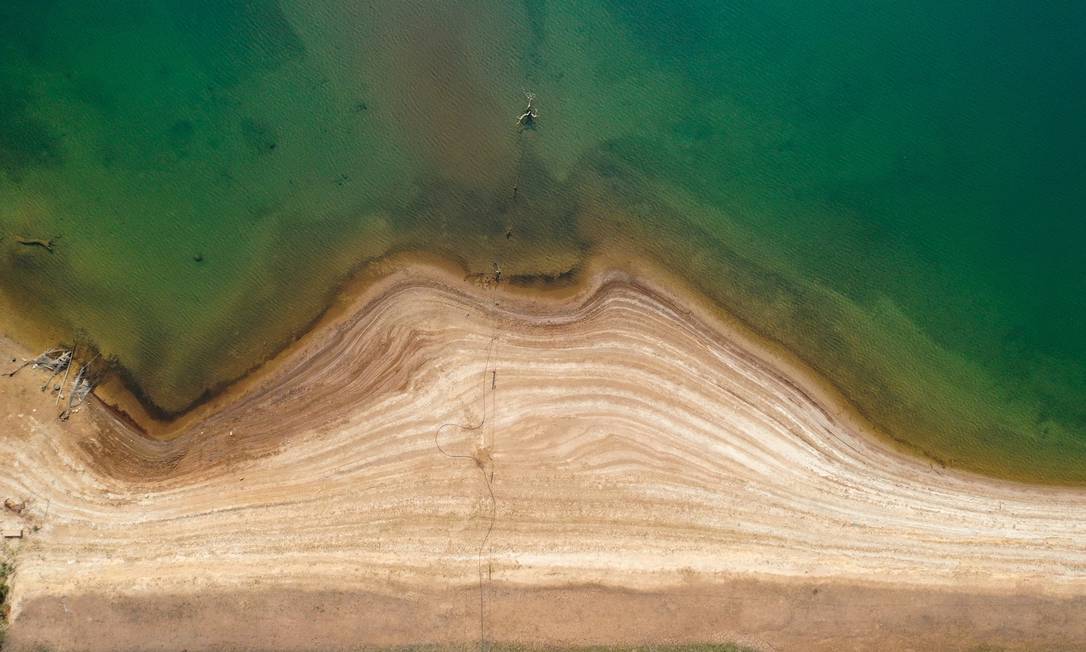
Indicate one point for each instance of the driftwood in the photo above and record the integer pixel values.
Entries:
(63, 363)
(61, 360)
(527, 119)
(82, 386)
(67, 370)
(55, 360)
(48, 245)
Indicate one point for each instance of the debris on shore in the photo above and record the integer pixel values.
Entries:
(55, 360)
(84, 383)
(60, 360)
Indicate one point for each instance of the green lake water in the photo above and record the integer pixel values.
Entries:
(896, 193)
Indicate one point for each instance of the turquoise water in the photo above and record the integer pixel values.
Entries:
(894, 192)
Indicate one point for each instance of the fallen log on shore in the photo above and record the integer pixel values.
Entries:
(55, 360)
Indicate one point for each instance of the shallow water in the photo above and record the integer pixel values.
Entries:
(895, 193)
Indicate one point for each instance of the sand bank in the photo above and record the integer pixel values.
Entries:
(619, 466)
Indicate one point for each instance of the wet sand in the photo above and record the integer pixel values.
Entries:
(444, 461)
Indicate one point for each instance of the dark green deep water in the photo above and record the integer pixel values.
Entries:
(895, 191)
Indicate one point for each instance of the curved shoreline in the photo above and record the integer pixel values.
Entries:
(524, 293)
(531, 293)
(633, 440)
(557, 292)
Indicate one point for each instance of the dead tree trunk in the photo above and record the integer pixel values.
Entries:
(34, 242)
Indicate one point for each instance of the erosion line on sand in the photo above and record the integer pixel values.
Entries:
(480, 464)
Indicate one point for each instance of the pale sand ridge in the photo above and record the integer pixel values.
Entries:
(634, 443)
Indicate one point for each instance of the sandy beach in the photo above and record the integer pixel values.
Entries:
(443, 461)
